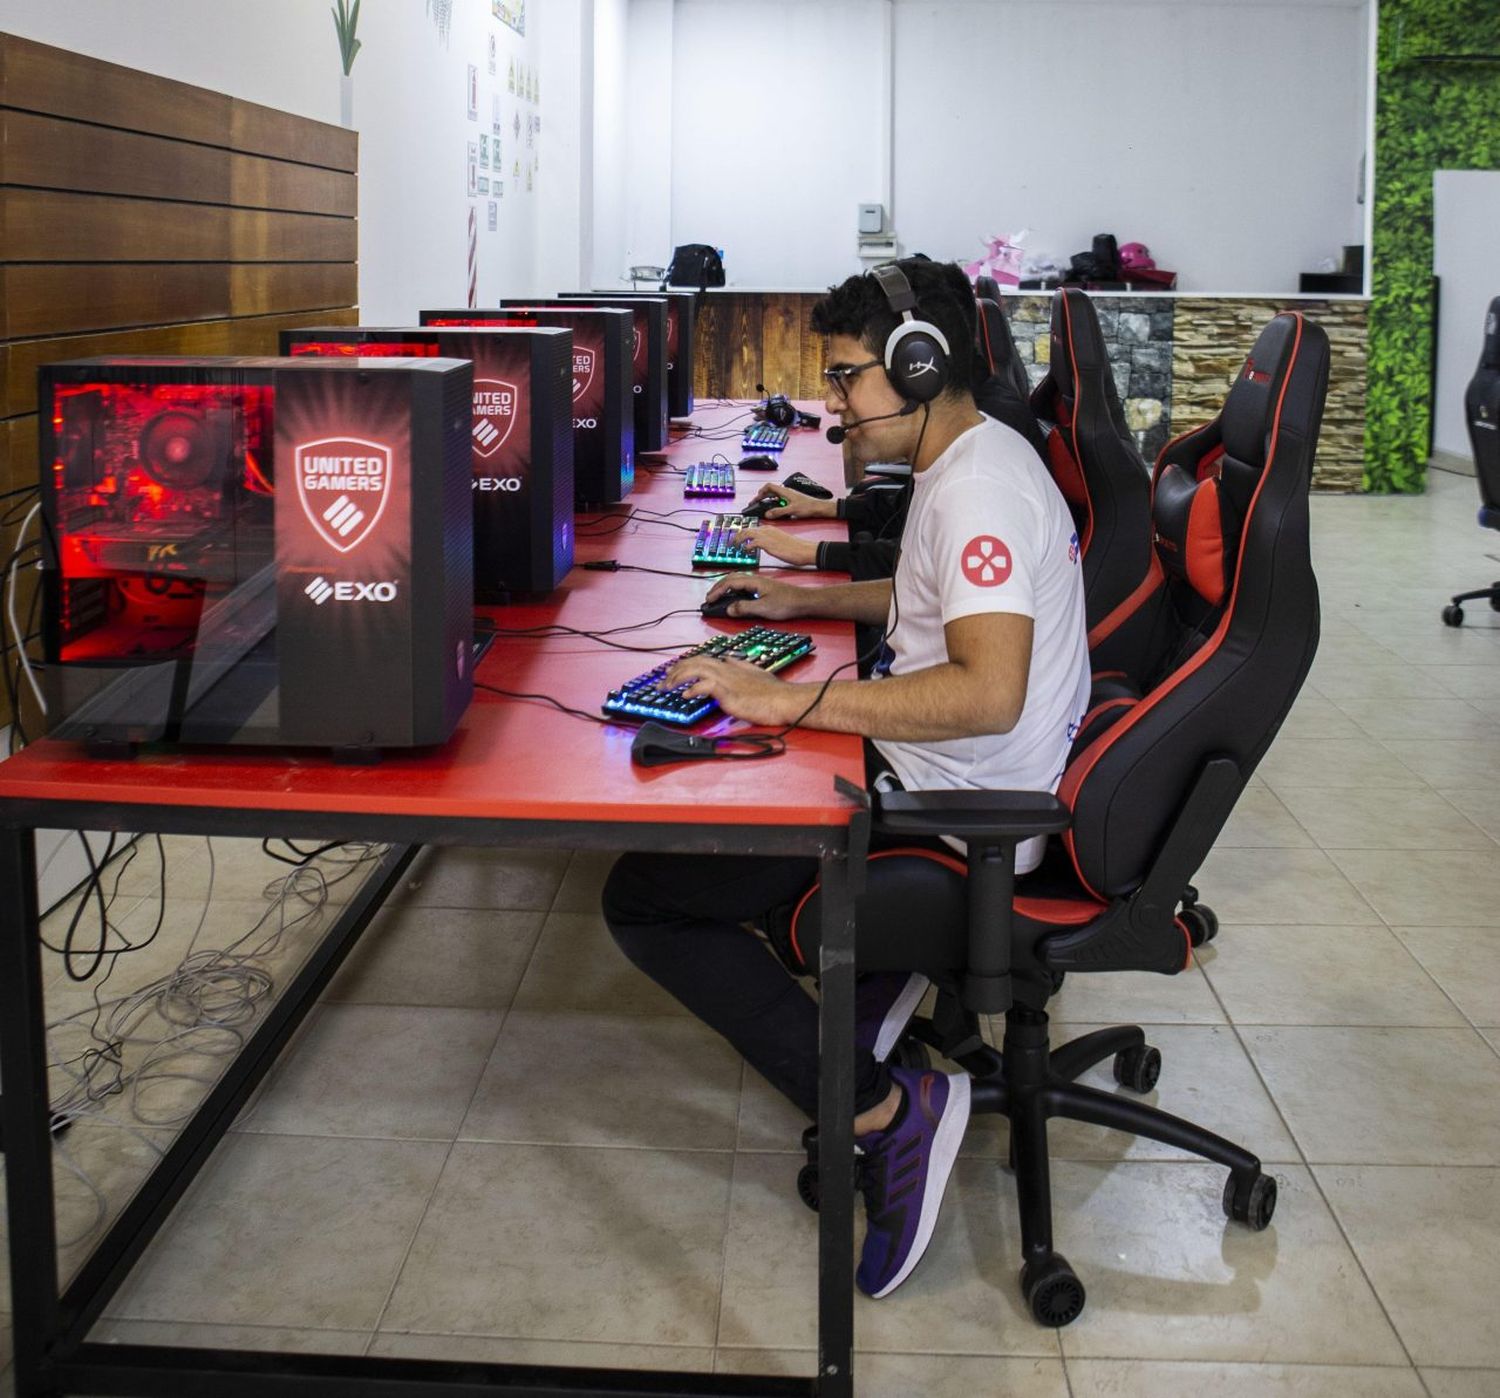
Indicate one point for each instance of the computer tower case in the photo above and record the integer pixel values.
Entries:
(682, 307)
(648, 363)
(257, 551)
(522, 438)
(603, 418)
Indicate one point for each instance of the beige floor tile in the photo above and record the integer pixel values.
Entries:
(1429, 1240)
(1134, 997)
(1375, 818)
(1450, 763)
(1465, 961)
(523, 879)
(1384, 1096)
(1380, 677)
(1169, 1278)
(1464, 681)
(961, 1299)
(1481, 805)
(1329, 763)
(1315, 717)
(577, 966)
(561, 1243)
(1206, 1078)
(240, 869)
(1260, 821)
(1137, 1378)
(1322, 975)
(393, 1071)
(1462, 1383)
(908, 1375)
(1419, 718)
(287, 1231)
(583, 883)
(452, 957)
(607, 1080)
(1298, 886)
(1446, 887)
(490, 1349)
(267, 1337)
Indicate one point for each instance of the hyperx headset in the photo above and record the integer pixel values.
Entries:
(916, 351)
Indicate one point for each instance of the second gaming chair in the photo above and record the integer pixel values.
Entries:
(1151, 779)
(1482, 409)
(1003, 390)
(1101, 475)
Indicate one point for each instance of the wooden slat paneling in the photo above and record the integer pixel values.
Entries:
(17, 455)
(40, 300)
(781, 346)
(258, 289)
(283, 136)
(44, 79)
(743, 359)
(256, 183)
(259, 235)
(811, 359)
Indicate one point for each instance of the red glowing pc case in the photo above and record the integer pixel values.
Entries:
(682, 306)
(603, 418)
(258, 551)
(522, 440)
(648, 360)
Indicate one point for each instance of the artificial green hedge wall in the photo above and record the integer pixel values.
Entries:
(1428, 116)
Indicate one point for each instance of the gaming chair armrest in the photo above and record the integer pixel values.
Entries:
(996, 817)
(992, 824)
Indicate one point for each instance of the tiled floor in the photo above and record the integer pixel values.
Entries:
(494, 1140)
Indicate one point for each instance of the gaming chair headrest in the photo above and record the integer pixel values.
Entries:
(1250, 410)
(987, 288)
(1489, 356)
(1077, 341)
(1003, 391)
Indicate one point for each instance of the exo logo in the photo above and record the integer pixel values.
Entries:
(493, 483)
(985, 561)
(343, 484)
(494, 415)
(583, 372)
(321, 591)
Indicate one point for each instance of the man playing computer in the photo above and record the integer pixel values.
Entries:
(982, 679)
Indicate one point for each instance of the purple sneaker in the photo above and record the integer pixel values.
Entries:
(904, 1172)
(883, 1006)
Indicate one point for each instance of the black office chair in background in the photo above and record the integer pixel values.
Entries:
(1482, 409)
(1153, 775)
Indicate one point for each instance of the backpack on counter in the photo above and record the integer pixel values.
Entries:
(696, 265)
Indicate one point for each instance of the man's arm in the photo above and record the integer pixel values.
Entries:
(866, 602)
(980, 688)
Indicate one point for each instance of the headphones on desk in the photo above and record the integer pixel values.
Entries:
(780, 411)
(916, 351)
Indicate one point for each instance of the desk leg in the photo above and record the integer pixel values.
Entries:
(836, 1133)
(24, 1104)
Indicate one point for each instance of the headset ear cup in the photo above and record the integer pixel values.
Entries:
(917, 362)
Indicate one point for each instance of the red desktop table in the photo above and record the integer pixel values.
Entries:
(516, 772)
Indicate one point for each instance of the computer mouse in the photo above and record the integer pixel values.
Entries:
(758, 463)
(756, 509)
(719, 607)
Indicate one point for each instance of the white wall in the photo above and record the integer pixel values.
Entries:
(1466, 256)
(611, 196)
(410, 107)
(1225, 136)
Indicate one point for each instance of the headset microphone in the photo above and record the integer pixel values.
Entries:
(837, 434)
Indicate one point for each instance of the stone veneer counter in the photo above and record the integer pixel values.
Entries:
(1174, 356)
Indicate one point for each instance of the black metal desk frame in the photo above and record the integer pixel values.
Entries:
(53, 1355)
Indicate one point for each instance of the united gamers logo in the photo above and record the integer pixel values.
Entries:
(985, 561)
(583, 372)
(494, 415)
(343, 484)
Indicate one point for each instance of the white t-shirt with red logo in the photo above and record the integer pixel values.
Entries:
(988, 531)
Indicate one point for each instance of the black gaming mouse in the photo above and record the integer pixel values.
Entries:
(719, 607)
(758, 463)
(756, 509)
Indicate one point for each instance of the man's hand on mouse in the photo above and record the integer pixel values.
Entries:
(798, 505)
(742, 690)
(778, 601)
(779, 543)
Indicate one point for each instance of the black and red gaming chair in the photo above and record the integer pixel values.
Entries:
(1482, 411)
(1094, 461)
(1152, 777)
(1003, 390)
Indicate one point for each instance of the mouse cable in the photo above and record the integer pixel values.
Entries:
(546, 699)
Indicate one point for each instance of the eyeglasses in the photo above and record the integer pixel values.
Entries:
(840, 376)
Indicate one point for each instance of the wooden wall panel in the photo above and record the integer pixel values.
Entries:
(257, 183)
(18, 453)
(38, 299)
(282, 136)
(273, 288)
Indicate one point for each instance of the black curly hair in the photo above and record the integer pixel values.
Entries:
(858, 307)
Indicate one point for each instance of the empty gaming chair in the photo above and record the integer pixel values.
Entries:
(1096, 465)
(1482, 409)
(1003, 390)
(1151, 779)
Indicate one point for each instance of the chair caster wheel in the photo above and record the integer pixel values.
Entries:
(807, 1187)
(1202, 923)
(1495, 598)
(1138, 1068)
(1053, 1293)
(1453, 615)
(1254, 1204)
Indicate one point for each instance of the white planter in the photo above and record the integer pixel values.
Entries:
(346, 100)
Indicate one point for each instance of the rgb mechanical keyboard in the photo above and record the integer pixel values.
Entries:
(764, 436)
(714, 545)
(646, 696)
(709, 478)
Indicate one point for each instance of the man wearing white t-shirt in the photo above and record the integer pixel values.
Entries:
(982, 683)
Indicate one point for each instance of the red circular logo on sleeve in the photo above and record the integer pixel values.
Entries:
(985, 561)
